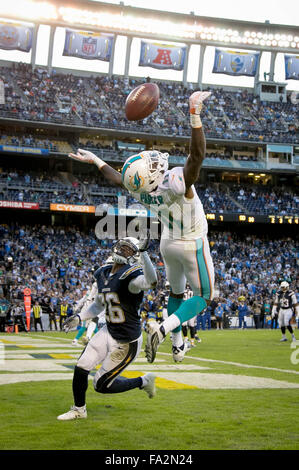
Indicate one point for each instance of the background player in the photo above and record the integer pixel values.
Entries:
(285, 303)
(184, 245)
(118, 343)
(83, 305)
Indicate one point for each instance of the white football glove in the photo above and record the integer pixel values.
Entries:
(195, 106)
(85, 156)
(71, 322)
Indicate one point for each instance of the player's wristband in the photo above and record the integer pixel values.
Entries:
(195, 120)
(99, 163)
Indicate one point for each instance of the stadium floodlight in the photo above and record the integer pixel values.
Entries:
(208, 31)
(30, 10)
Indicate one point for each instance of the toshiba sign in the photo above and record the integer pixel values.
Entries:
(72, 208)
(19, 205)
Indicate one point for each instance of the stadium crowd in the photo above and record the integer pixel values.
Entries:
(98, 101)
(57, 264)
(46, 188)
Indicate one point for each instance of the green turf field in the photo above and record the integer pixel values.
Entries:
(237, 389)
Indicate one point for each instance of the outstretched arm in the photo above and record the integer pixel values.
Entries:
(148, 280)
(198, 141)
(84, 156)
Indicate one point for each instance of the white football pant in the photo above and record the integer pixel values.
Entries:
(189, 261)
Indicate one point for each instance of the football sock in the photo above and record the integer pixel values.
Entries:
(190, 308)
(177, 339)
(173, 304)
(80, 332)
(187, 310)
(80, 385)
(119, 385)
(290, 329)
(283, 330)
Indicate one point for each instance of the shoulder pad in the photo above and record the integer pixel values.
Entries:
(135, 268)
(96, 273)
(102, 268)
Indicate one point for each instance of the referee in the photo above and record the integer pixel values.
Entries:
(37, 312)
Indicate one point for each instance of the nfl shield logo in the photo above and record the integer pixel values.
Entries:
(89, 46)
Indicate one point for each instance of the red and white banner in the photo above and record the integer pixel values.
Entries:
(19, 205)
(162, 56)
(27, 302)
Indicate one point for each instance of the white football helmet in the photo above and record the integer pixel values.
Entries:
(145, 171)
(284, 286)
(118, 252)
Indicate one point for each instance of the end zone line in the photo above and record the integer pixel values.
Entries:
(237, 364)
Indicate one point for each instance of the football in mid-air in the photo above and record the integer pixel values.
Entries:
(142, 101)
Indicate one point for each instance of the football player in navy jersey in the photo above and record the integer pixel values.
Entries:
(118, 343)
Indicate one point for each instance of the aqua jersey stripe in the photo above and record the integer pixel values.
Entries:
(131, 160)
(202, 269)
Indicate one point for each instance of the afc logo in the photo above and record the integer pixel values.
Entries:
(163, 57)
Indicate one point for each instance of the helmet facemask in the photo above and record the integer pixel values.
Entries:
(145, 171)
(284, 286)
(126, 251)
(157, 164)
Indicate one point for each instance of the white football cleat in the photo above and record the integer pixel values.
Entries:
(153, 340)
(283, 339)
(178, 354)
(75, 342)
(149, 384)
(74, 413)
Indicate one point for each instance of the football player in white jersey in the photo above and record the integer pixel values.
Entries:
(83, 303)
(286, 304)
(184, 244)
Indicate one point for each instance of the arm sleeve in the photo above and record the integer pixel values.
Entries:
(147, 280)
(94, 309)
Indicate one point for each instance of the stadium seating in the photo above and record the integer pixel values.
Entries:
(98, 101)
(57, 261)
(45, 188)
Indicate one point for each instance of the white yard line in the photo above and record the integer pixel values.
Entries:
(237, 364)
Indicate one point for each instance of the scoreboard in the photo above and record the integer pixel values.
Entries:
(251, 219)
